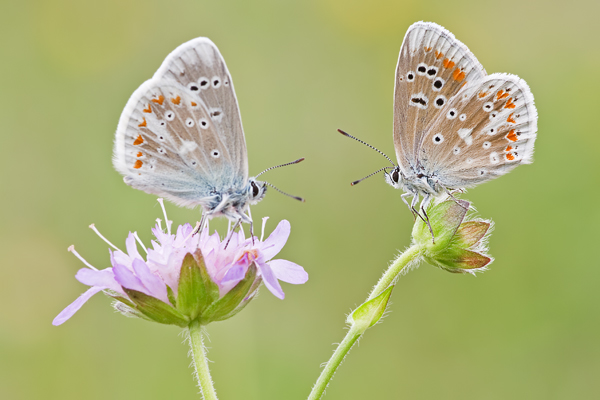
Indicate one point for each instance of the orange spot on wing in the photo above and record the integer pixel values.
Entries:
(511, 119)
(512, 136)
(147, 110)
(463, 84)
(176, 100)
(160, 99)
(138, 164)
(458, 75)
(139, 154)
(438, 54)
(508, 148)
(427, 48)
(448, 64)
(482, 95)
(139, 140)
(501, 95)
(143, 123)
(509, 103)
(510, 157)
(194, 104)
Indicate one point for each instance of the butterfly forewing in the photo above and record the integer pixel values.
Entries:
(432, 67)
(493, 131)
(180, 135)
(198, 66)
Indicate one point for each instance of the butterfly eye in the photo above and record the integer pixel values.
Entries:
(438, 138)
(422, 69)
(396, 175)
(456, 150)
(487, 145)
(410, 76)
(487, 107)
(193, 87)
(189, 122)
(451, 113)
(226, 82)
(161, 150)
(170, 116)
(203, 123)
(493, 115)
(203, 83)
(255, 189)
(463, 117)
(438, 84)
(215, 153)
(216, 82)
(482, 172)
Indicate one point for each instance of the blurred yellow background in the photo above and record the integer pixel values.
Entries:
(526, 329)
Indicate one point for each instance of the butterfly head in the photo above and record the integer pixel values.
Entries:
(256, 190)
(394, 178)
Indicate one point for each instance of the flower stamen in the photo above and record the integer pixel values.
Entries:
(87, 264)
(167, 222)
(93, 227)
(137, 238)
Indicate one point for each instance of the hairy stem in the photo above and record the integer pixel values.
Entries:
(393, 271)
(201, 362)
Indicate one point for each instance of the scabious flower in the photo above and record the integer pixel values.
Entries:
(459, 245)
(187, 277)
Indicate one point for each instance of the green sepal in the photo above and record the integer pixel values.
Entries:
(171, 296)
(459, 260)
(470, 232)
(370, 312)
(445, 218)
(156, 310)
(226, 305)
(192, 293)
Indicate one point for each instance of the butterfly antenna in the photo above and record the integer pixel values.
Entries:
(370, 175)
(366, 144)
(282, 165)
(287, 194)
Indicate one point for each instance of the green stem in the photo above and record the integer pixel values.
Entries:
(411, 254)
(201, 362)
(395, 269)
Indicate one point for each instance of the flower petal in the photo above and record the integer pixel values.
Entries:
(104, 278)
(237, 271)
(288, 271)
(270, 280)
(276, 240)
(153, 283)
(127, 279)
(131, 246)
(75, 306)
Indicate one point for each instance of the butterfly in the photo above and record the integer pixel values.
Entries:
(454, 126)
(180, 136)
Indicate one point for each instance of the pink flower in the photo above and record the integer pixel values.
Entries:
(233, 272)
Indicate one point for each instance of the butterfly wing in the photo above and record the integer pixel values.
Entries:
(484, 131)
(180, 135)
(433, 66)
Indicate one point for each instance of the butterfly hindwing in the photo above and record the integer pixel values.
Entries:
(432, 67)
(484, 131)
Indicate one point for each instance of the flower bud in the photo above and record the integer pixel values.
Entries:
(457, 245)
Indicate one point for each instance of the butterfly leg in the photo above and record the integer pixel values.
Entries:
(201, 224)
(412, 210)
(239, 221)
(423, 206)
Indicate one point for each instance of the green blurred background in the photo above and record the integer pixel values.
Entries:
(526, 329)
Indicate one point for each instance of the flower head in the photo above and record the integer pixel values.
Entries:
(459, 245)
(187, 276)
